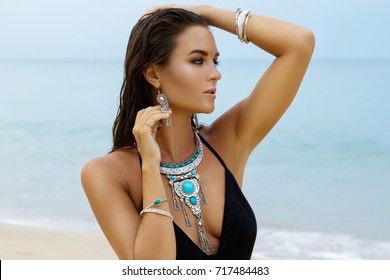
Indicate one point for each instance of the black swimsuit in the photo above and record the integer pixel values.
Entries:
(239, 226)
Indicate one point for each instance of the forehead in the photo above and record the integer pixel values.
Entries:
(195, 37)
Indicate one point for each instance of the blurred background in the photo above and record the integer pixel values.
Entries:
(319, 183)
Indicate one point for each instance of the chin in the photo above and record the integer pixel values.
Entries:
(205, 108)
(208, 110)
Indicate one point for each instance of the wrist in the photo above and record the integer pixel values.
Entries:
(150, 167)
(204, 12)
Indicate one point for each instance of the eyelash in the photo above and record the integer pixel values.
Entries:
(199, 61)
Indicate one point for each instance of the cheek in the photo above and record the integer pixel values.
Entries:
(183, 75)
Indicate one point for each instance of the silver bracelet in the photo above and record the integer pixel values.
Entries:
(157, 211)
(245, 38)
(157, 202)
(241, 23)
(238, 11)
(150, 208)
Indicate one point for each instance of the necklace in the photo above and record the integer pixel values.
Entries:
(187, 191)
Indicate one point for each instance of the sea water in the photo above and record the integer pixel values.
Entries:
(319, 183)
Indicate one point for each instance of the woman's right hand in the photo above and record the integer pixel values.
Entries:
(144, 131)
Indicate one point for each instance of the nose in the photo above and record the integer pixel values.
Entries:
(215, 74)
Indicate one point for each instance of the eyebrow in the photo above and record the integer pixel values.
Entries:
(202, 52)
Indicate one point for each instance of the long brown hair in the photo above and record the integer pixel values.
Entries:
(151, 41)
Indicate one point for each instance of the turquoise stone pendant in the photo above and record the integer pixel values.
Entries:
(187, 193)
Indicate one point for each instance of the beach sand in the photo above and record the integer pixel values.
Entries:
(32, 243)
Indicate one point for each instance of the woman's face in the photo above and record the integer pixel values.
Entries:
(189, 80)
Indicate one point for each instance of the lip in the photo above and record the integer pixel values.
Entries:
(210, 91)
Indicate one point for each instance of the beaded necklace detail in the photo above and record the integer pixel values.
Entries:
(187, 191)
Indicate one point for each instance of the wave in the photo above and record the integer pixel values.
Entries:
(300, 245)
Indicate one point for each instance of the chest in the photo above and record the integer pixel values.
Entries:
(212, 183)
(212, 180)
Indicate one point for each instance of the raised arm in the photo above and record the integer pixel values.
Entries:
(292, 45)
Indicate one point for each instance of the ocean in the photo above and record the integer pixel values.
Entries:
(319, 183)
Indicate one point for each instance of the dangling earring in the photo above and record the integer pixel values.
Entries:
(163, 100)
(195, 122)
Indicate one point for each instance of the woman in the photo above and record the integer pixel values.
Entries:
(170, 189)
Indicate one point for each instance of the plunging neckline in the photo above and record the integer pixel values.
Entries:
(221, 239)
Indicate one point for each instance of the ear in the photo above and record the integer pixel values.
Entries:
(151, 75)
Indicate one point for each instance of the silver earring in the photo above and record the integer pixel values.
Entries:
(195, 120)
(163, 100)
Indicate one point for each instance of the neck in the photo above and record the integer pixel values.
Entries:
(177, 141)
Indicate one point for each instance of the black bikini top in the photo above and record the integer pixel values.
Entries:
(239, 227)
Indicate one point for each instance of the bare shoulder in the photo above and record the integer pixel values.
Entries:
(110, 183)
(118, 168)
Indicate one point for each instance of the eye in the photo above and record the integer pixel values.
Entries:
(198, 61)
(216, 62)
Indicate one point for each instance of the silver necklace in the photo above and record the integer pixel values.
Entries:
(187, 191)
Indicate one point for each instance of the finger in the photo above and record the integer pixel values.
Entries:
(150, 118)
(144, 114)
(141, 112)
(153, 110)
(151, 126)
(153, 118)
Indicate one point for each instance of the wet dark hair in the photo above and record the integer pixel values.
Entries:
(151, 41)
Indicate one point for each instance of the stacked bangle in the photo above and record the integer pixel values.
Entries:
(150, 209)
(241, 19)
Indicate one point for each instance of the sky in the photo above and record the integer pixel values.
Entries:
(97, 29)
